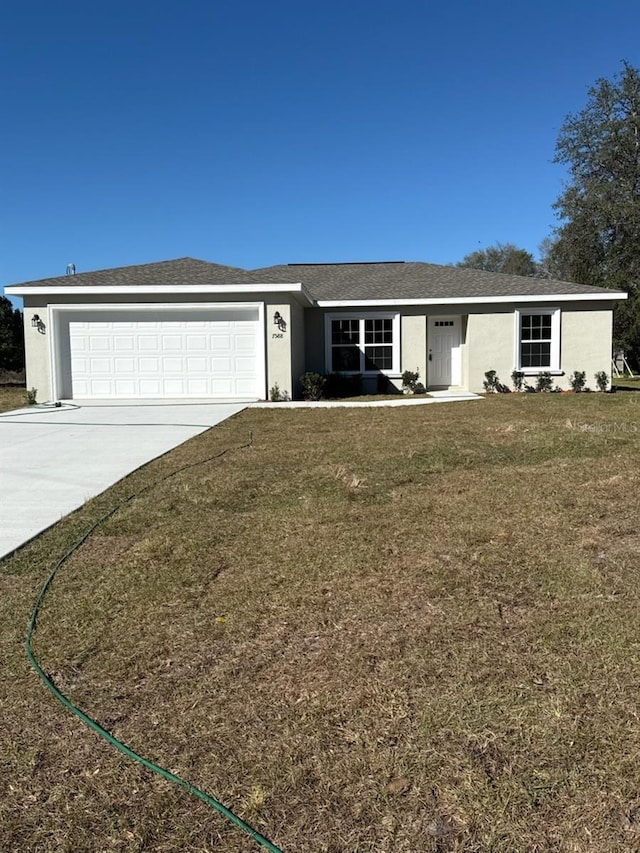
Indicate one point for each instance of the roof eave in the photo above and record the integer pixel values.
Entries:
(296, 289)
(473, 300)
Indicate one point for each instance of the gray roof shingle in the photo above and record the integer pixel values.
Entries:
(332, 282)
(177, 272)
(413, 280)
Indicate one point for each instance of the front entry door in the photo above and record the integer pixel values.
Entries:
(445, 362)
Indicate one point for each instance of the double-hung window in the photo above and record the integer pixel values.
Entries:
(538, 340)
(367, 343)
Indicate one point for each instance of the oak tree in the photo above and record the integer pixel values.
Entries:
(598, 239)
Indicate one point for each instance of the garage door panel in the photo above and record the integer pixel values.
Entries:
(197, 342)
(99, 387)
(148, 343)
(173, 358)
(221, 342)
(197, 364)
(222, 387)
(150, 388)
(173, 387)
(125, 387)
(173, 365)
(197, 387)
(99, 344)
(245, 342)
(125, 343)
(100, 365)
(78, 344)
(244, 386)
(245, 365)
(171, 342)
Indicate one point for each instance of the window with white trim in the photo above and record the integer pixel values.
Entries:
(538, 339)
(368, 343)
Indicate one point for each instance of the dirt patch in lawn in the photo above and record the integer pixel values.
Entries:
(394, 630)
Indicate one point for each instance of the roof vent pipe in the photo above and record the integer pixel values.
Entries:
(71, 269)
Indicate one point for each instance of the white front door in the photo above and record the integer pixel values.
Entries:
(445, 360)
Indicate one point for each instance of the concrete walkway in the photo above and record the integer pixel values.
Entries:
(52, 460)
(410, 400)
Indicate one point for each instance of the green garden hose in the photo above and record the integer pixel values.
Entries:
(96, 727)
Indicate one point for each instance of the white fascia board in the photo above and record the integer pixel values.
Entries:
(151, 289)
(152, 306)
(471, 300)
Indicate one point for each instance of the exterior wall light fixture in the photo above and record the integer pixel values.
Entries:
(38, 324)
(279, 321)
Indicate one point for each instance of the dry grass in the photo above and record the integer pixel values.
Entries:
(626, 381)
(11, 398)
(398, 630)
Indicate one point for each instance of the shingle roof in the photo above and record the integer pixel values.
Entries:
(332, 282)
(413, 280)
(177, 272)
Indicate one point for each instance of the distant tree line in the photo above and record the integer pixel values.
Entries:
(597, 241)
(11, 336)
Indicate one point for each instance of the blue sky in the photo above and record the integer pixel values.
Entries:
(254, 133)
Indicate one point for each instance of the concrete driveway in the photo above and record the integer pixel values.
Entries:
(53, 460)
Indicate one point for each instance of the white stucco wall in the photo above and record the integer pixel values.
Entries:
(585, 344)
(490, 345)
(413, 349)
(36, 345)
(278, 342)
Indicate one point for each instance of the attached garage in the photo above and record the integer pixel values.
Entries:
(133, 352)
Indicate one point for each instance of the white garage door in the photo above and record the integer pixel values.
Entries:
(141, 357)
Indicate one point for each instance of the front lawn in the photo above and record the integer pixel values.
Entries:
(404, 630)
(12, 398)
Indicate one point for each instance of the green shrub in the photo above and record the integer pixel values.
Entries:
(493, 385)
(410, 380)
(544, 382)
(313, 385)
(578, 380)
(517, 377)
(491, 381)
(602, 380)
(278, 396)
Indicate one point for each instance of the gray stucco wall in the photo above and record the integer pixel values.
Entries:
(36, 345)
(585, 342)
(297, 346)
(488, 338)
(413, 345)
(278, 343)
(490, 345)
(314, 341)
